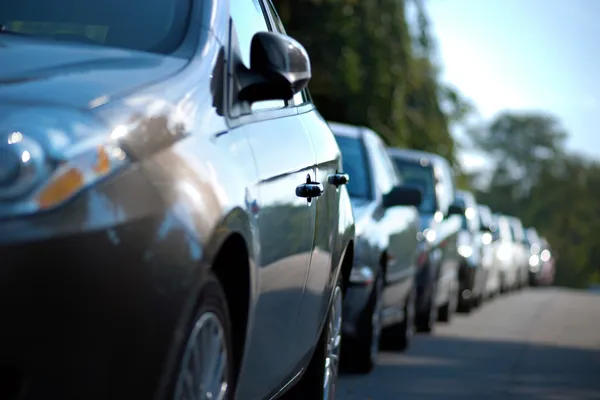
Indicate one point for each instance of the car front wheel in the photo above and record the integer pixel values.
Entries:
(206, 370)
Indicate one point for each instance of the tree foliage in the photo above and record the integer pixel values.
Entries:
(555, 192)
(370, 68)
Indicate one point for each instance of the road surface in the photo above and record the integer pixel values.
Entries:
(537, 344)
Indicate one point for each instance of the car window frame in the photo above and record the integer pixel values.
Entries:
(254, 116)
(274, 24)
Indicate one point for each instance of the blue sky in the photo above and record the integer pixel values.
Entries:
(525, 55)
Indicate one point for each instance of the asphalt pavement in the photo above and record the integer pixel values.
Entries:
(536, 344)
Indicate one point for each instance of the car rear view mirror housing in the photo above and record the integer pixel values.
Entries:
(402, 196)
(279, 68)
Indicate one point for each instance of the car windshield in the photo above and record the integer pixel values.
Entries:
(356, 166)
(148, 25)
(422, 177)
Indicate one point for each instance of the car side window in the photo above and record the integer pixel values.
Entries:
(249, 18)
(448, 193)
(300, 97)
(392, 172)
(380, 172)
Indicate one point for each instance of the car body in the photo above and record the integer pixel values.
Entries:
(174, 203)
(493, 281)
(505, 250)
(541, 262)
(473, 271)
(521, 251)
(535, 248)
(437, 281)
(387, 221)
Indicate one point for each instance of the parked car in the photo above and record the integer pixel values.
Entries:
(437, 280)
(472, 274)
(521, 251)
(505, 251)
(547, 261)
(486, 221)
(381, 291)
(160, 187)
(535, 263)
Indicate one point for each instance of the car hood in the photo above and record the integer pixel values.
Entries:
(77, 75)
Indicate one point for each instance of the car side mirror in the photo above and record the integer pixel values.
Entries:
(456, 209)
(402, 196)
(279, 68)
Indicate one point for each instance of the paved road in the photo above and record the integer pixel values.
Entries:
(538, 344)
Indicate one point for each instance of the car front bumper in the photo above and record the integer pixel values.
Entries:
(90, 313)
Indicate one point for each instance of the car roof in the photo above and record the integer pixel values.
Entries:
(417, 155)
(347, 130)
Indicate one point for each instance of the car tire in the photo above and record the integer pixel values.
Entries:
(444, 313)
(398, 336)
(361, 354)
(320, 378)
(425, 321)
(210, 327)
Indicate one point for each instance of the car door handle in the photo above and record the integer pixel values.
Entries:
(309, 190)
(339, 179)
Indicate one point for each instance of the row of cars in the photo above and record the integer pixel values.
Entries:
(423, 249)
(175, 215)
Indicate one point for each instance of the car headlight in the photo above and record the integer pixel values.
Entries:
(545, 256)
(465, 251)
(504, 253)
(46, 159)
(534, 262)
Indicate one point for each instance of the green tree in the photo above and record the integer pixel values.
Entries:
(369, 69)
(537, 181)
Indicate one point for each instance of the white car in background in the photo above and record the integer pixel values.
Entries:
(521, 249)
(488, 258)
(505, 250)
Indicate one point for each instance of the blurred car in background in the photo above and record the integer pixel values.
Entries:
(505, 250)
(548, 262)
(472, 274)
(521, 251)
(437, 280)
(381, 294)
(486, 222)
(535, 263)
(179, 227)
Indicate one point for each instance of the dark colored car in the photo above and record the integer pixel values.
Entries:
(473, 273)
(158, 218)
(381, 291)
(437, 281)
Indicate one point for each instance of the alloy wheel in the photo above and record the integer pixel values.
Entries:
(334, 339)
(376, 323)
(204, 370)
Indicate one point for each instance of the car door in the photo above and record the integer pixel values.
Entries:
(397, 221)
(315, 303)
(285, 161)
